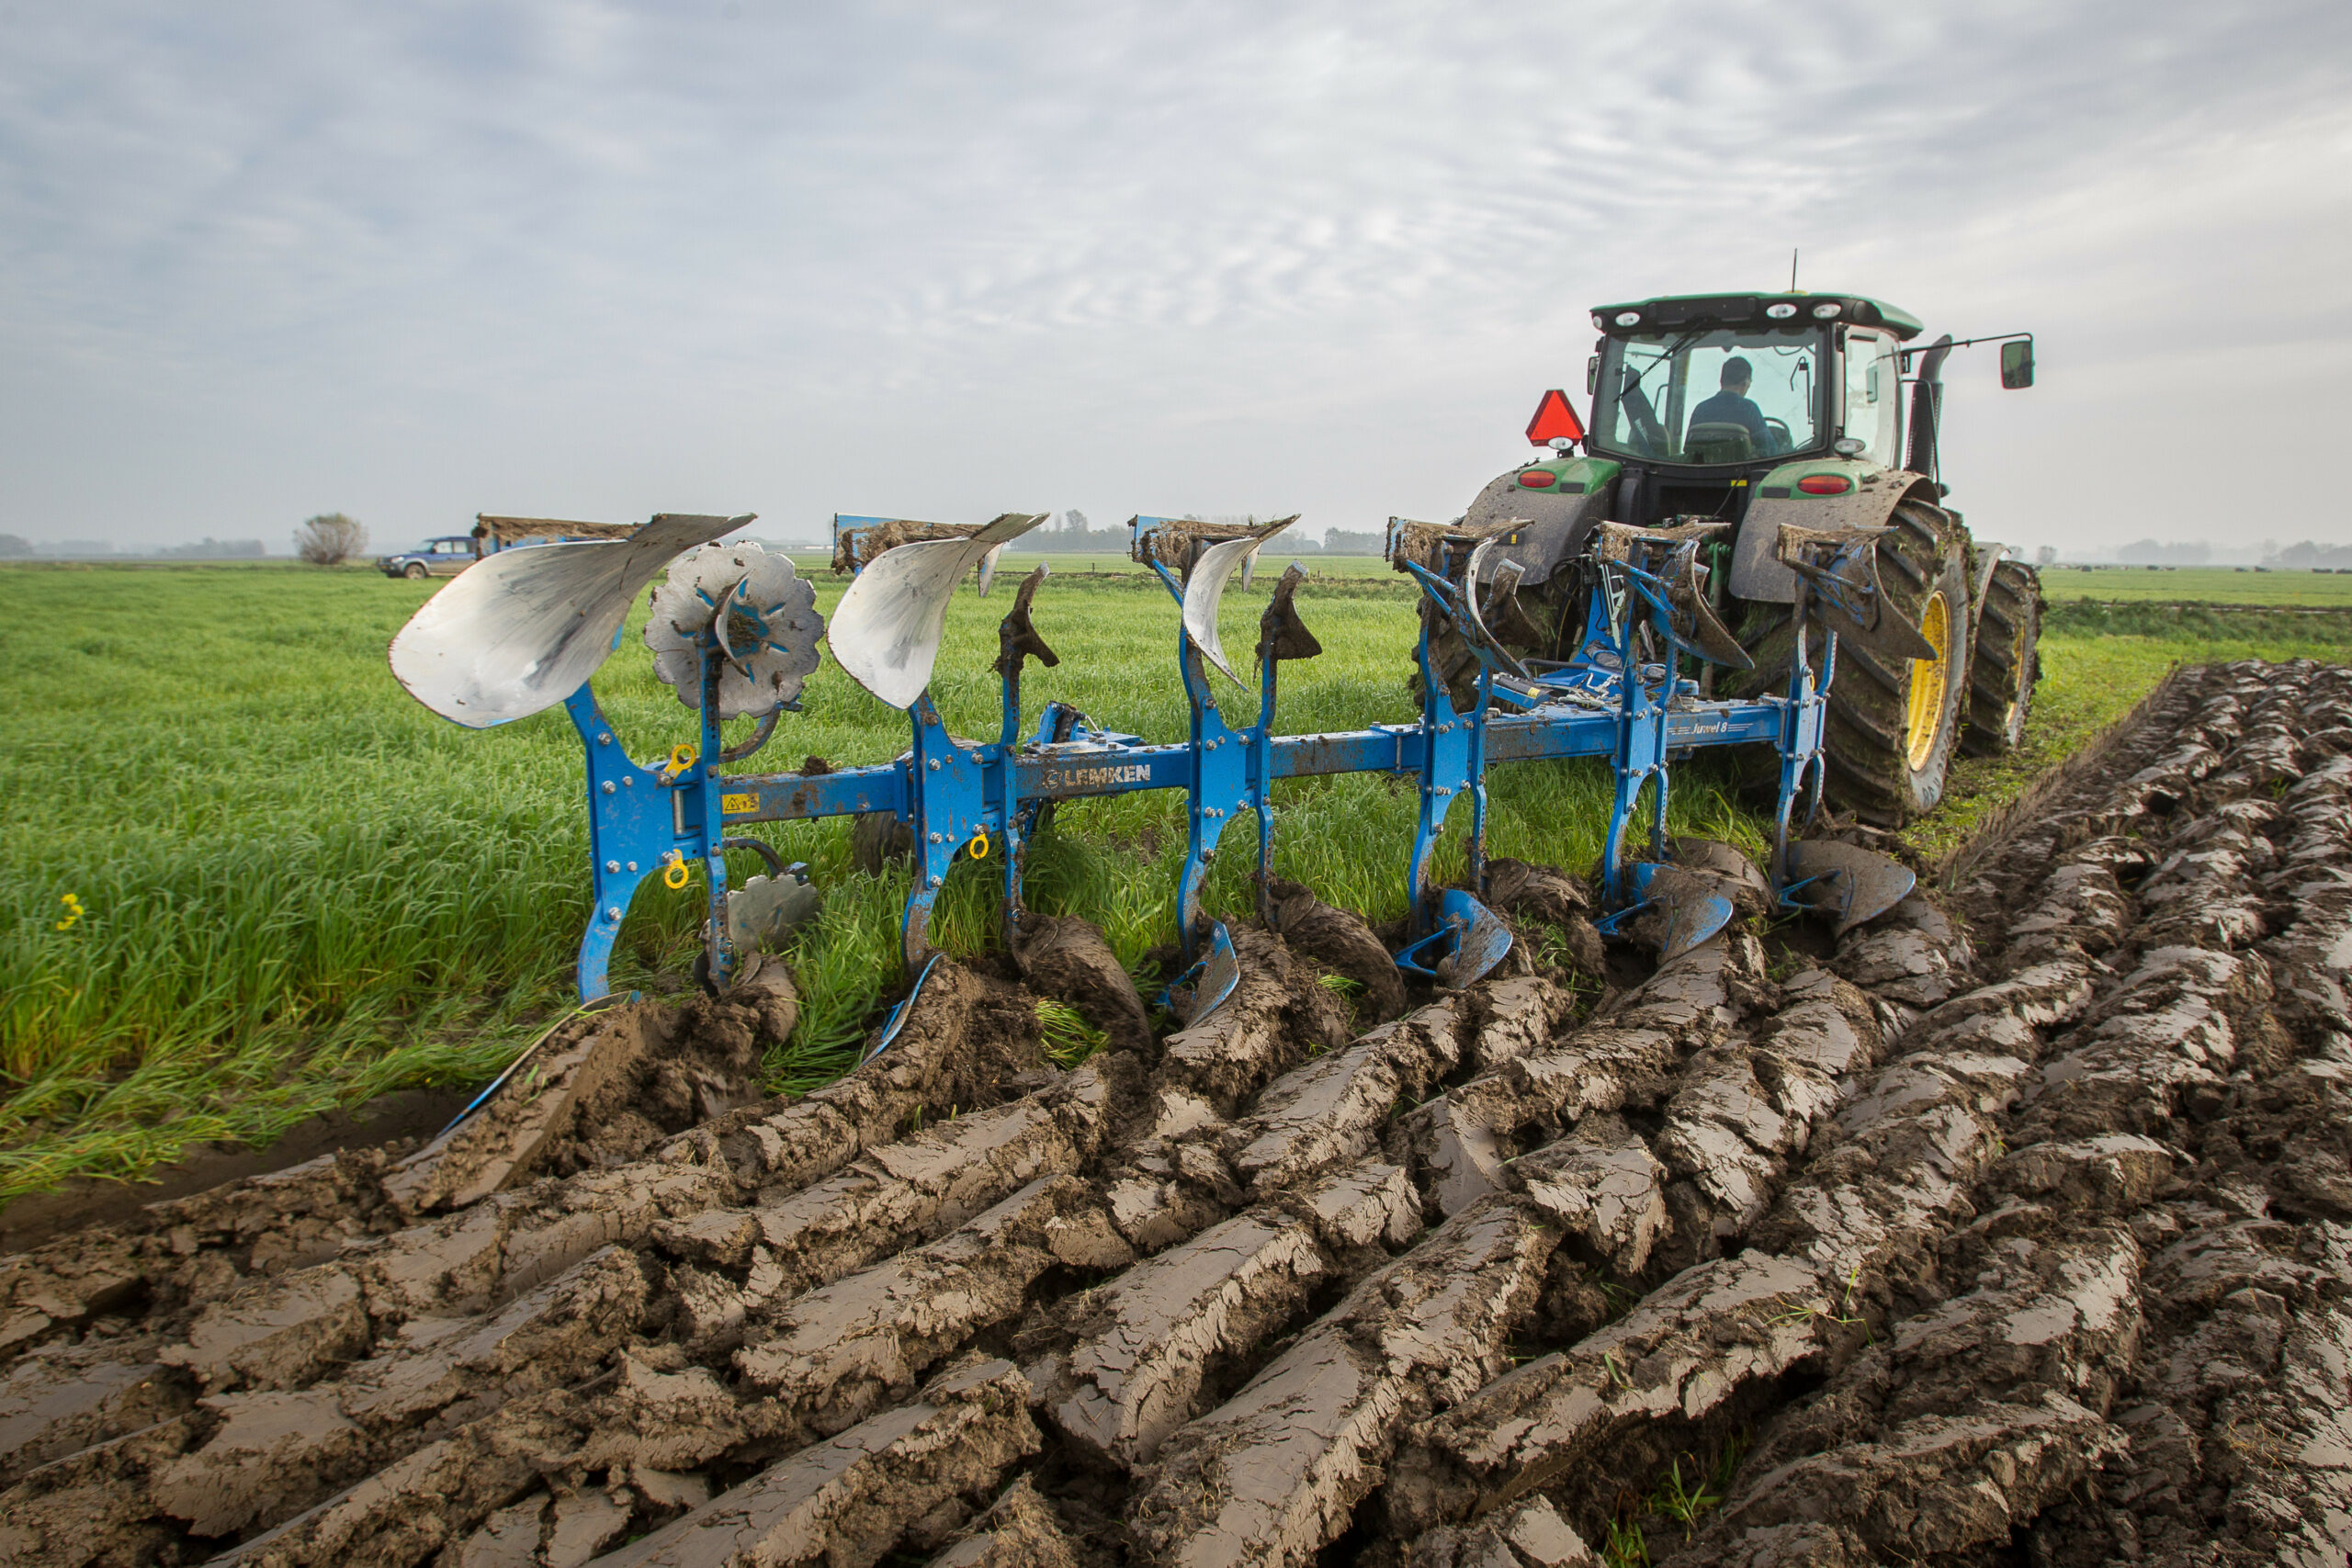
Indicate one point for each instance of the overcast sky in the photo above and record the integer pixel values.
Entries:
(413, 262)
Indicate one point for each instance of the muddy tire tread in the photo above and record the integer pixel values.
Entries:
(2008, 635)
(1869, 745)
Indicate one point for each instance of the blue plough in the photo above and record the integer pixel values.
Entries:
(736, 629)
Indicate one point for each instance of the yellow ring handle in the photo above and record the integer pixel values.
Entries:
(682, 757)
(978, 848)
(676, 874)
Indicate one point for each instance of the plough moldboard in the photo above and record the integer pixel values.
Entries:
(735, 632)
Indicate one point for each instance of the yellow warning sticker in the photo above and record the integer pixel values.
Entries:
(731, 803)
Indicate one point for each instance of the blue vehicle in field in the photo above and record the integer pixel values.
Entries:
(452, 553)
(445, 556)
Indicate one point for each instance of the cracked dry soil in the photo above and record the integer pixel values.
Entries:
(2017, 1229)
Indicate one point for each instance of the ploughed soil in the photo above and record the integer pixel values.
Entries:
(2014, 1226)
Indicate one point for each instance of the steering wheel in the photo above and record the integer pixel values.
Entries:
(1776, 434)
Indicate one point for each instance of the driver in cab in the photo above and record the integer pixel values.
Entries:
(1731, 406)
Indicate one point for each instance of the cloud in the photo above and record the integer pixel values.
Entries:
(602, 259)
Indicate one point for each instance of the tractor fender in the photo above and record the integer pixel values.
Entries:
(1757, 572)
(1554, 524)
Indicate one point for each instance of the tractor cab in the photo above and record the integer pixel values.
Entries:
(1708, 393)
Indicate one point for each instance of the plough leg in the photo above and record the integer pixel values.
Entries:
(1231, 770)
(1837, 574)
(1455, 938)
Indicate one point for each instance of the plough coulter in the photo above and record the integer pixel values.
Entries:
(735, 632)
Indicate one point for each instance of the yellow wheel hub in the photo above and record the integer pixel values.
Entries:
(1928, 679)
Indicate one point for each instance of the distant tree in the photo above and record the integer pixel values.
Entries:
(13, 548)
(2140, 552)
(2046, 555)
(330, 539)
(1347, 542)
(1074, 521)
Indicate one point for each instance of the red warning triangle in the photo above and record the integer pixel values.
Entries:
(1553, 417)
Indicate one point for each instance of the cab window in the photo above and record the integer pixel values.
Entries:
(1873, 401)
(1726, 396)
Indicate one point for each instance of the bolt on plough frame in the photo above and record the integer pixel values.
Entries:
(735, 633)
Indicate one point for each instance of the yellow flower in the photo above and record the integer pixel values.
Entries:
(73, 912)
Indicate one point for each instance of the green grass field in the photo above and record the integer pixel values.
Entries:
(2198, 585)
(297, 888)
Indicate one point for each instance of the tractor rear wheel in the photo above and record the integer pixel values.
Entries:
(2008, 661)
(1894, 723)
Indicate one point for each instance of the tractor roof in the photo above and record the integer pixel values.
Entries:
(1673, 312)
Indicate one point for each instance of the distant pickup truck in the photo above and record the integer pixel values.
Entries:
(452, 553)
(444, 557)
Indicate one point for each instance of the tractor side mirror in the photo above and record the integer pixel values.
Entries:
(1592, 376)
(2017, 364)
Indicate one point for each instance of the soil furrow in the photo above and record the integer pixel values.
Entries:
(1600, 1182)
(1275, 1474)
(907, 1475)
(833, 1338)
(219, 1255)
(1139, 1348)
(1865, 1220)
(1987, 1415)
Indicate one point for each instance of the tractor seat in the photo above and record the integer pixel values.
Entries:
(1712, 443)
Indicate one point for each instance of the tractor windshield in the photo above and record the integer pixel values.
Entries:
(1706, 397)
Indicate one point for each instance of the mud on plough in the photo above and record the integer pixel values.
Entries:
(735, 631)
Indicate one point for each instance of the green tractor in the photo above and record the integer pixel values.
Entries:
(1758, 409)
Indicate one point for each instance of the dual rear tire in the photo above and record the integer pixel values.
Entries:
(2008, 661)
(1894, 723)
